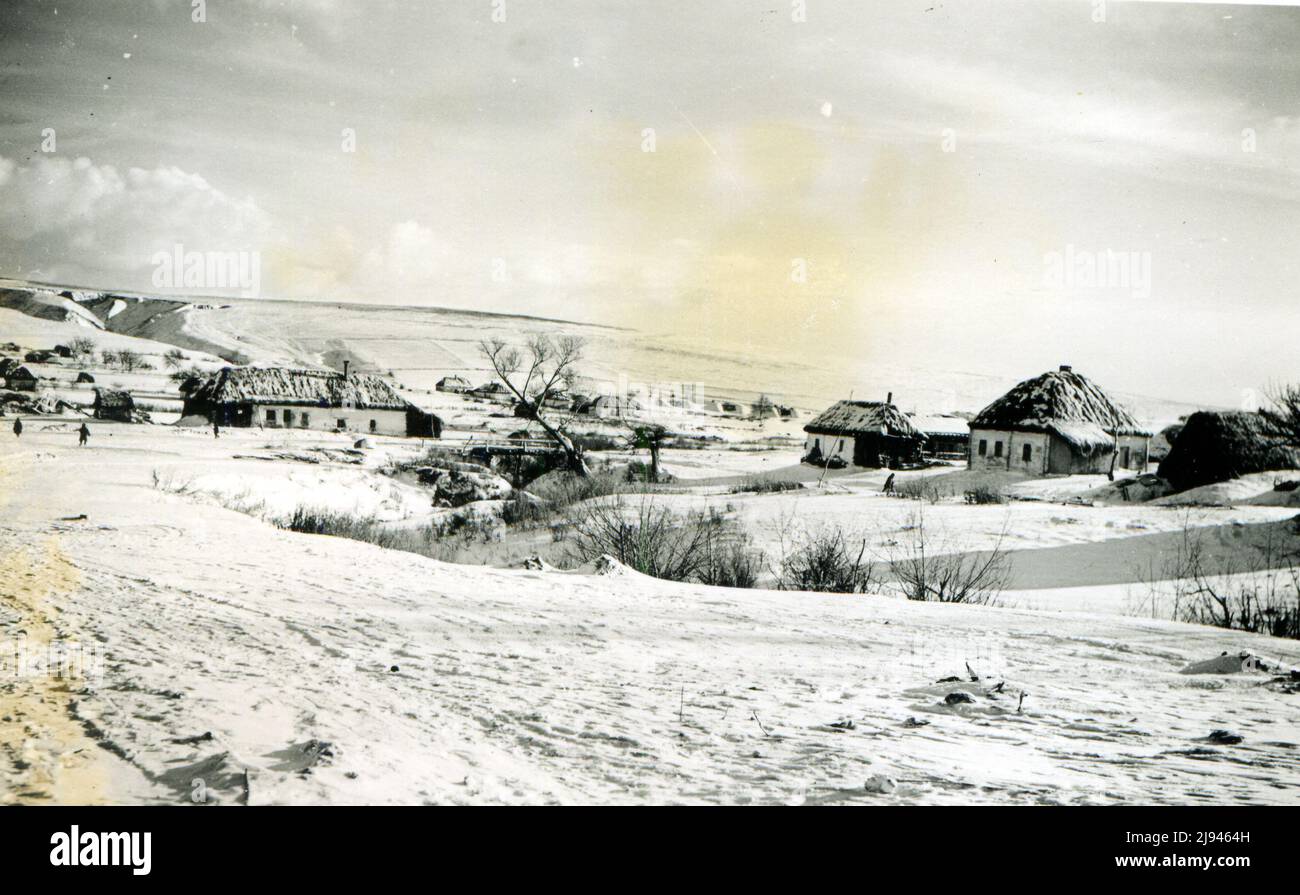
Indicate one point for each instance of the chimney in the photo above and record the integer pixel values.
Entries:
(345, 369)
(1066, 368)
(889, 399)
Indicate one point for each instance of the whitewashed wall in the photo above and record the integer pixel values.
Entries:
(1013, 446)
(831, 446)
(387, 422)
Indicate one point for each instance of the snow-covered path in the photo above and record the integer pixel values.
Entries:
(258, 665)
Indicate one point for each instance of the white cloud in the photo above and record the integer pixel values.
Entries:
(74, 214)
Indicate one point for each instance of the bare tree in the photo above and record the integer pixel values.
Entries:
(544, 367)
(650, 437)
(1284, 415)
(82, 348)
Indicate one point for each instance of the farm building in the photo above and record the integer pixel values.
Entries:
(457, 384)
(21, 379)
(83, 376)
(490, 390)
(283, 398)
(39, 357)
(946, 437)
(729, 408)
(1214, 446)
(1057, 423)
(863, 433)
(114, 404)
(611, 406)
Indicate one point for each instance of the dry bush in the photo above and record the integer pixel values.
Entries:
(928, 488)
(825, 560)
(929, 567)
(653, 539)
(985, 493)
(1256, 589)
(761, 485)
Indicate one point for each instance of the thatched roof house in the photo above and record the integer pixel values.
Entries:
(1059, 422)
(491, 389)
(1215, 446)
(114, 404)
(453, 384)
(284, 397)
(864, 433)
(21, 379)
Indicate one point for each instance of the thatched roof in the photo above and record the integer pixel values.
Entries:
(862, 417)
(113, 398)
(1215, 446)
(21, 372)
(282, 385)
(1062, 403)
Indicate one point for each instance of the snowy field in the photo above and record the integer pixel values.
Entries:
(256, 665)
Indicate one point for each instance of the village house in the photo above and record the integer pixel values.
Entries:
(728, 408)
(863, 433)
(114, 404)
(20, 379)
(456, 384)
(283, 398)
(492, 391)
(611, 406)
(1057, 423)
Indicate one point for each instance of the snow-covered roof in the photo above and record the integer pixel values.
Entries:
(282, 385)
(941, 425)
(861, 417)
(1063, 402)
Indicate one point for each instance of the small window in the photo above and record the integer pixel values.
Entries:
(1026, 454)
(984, 447)
(997, 449)
(373, 425)
(270, 417)
(288, 417)
(343, 424)
(304, 420)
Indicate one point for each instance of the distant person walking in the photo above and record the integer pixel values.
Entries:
(216, 428)
(889, 484)
(84, 434)
(18, 428)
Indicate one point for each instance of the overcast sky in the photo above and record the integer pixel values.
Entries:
(889, 179)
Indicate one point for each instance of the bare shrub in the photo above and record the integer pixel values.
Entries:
(985, 493)
(927, 488)
(929, 567)
(731, 561)
(825, 560)
(1256, 589)
(649, 537)
(761, 485)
